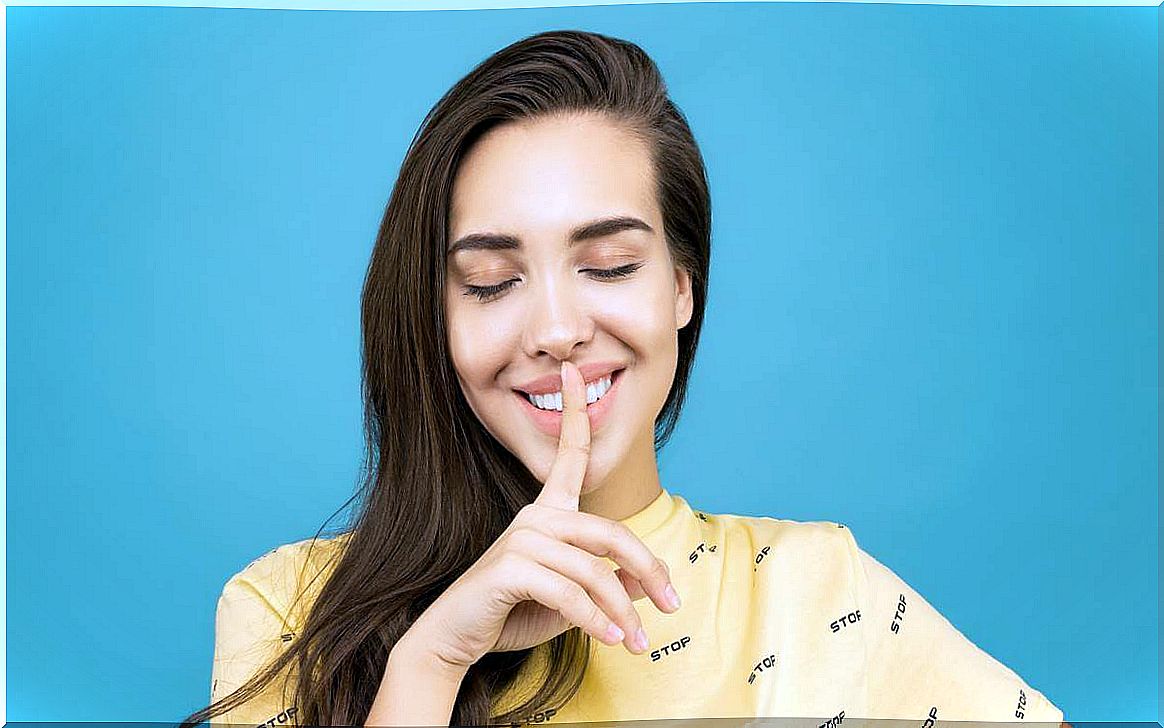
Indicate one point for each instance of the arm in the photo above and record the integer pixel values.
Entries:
(248, 633)
(417, 688)
(917, 662)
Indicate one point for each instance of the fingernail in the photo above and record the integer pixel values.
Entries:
(672, 597)
(641, 639)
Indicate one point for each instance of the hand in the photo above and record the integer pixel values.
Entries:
(543, 575)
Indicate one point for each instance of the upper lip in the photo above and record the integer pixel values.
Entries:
(553, 382)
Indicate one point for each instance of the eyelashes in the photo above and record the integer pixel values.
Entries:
(488, 293)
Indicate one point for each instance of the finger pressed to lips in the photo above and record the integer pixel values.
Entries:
(574, 541)
(575, 422)
(600, 409)
(564, 484)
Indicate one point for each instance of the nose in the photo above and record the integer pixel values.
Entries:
(557, 322)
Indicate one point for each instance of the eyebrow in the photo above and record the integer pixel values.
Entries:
(586, 231)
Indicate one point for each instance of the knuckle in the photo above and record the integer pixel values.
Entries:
(496, 586)
(522, 539)
(660, 570)
(574, 445)
(497, 590)
(551, 522)
(596, 616)
(630, 616)
(613, 532)
(571, 593)
(600, 572)
(528, 514)
(510, 563)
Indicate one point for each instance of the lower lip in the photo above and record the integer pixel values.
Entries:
(550, 421)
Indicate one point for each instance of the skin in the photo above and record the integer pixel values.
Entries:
(536, 181)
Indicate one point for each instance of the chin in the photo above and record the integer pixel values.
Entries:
(596, 472)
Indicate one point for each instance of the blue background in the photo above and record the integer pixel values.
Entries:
(933, 311)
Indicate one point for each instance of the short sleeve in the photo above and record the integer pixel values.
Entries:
(250, 630)
(918, 666)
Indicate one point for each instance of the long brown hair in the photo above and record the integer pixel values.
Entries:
(437, 488)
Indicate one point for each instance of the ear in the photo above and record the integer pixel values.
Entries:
(683, 299)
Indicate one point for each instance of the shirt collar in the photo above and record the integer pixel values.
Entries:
(652, 516)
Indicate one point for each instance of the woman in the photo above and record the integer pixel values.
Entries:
(550, 230)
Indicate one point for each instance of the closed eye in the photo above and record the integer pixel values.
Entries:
(620, 272)
(489, 293)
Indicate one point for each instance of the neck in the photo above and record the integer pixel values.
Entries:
(630, 488)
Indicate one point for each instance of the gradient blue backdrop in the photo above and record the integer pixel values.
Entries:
(933, 311)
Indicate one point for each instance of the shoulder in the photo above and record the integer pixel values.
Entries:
(275, 562)
(261, 609)
(280, 579)
(797, 550)
(821, 539)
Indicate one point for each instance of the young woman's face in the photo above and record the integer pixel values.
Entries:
(556, 252)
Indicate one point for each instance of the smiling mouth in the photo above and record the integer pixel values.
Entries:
(614, 377)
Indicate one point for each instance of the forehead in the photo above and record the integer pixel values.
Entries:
(546, 175)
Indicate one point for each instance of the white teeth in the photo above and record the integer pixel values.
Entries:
(594, 392)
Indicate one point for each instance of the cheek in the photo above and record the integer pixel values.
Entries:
(477, 357)
(642, 316)
(478, 346)
(644, 320)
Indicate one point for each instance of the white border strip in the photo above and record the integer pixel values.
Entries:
(421, 5)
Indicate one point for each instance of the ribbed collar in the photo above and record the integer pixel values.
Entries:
(652, 516)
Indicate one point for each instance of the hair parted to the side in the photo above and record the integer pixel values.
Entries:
(437, 488)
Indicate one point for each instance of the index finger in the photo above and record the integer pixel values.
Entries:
(564, 484)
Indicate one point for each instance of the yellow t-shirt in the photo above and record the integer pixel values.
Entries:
(780, 618)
